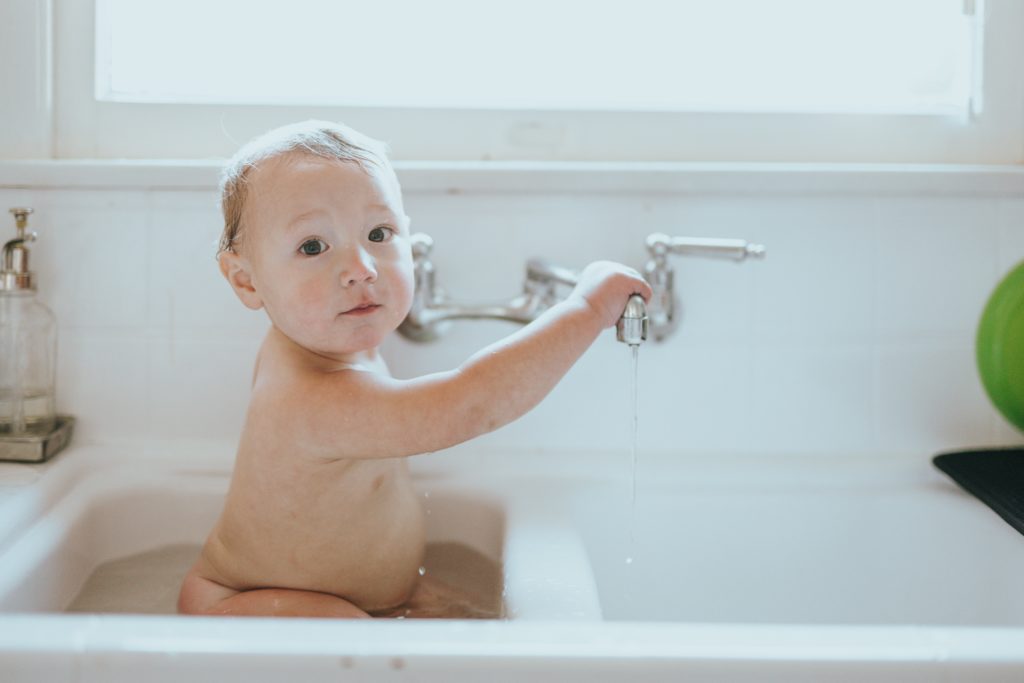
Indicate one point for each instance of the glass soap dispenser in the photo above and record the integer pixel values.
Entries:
(28, 343)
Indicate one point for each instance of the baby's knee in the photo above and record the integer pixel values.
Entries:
(198, 595)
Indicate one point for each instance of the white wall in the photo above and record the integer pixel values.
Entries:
(855, 336)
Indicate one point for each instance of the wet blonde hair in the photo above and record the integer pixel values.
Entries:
(325, 139)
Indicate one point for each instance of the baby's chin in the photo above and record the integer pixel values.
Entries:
(347, 349)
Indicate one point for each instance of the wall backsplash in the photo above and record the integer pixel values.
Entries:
(854, 336)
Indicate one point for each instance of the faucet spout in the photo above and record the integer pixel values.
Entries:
(432, 310)
(540, 271)
(632, 326)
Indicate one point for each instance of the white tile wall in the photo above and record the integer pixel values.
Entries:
(92, 258)
(855, 335)
(812, 398)
(929, 397)
(105, 382)
(936, 265)
(1011, 234)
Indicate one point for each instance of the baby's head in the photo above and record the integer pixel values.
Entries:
(324, 139)
(316, 234)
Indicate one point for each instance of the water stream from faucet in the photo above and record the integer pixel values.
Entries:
(634, 402)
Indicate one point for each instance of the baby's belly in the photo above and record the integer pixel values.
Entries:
(364, 543)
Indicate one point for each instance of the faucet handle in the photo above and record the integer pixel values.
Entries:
(422, 244)
(660, 274)
(21, 214)
(660, 245)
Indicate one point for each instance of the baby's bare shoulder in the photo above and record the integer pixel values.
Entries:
(288, 389)
(359, 411)
(321, 414)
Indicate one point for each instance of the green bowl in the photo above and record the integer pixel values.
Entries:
(1000, 346)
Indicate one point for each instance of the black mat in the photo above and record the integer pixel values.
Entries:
(994, 475)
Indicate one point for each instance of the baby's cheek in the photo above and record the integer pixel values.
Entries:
(310, 292)
(312, 302)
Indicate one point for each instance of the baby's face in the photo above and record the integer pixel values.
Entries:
(328, 246)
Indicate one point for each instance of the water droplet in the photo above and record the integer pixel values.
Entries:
(629, 560)
(423, 571)
(426, 494)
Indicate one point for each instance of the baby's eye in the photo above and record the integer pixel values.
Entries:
(313, 247)
(381, 234)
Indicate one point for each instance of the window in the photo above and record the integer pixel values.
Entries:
(563, 80)
(868, 56)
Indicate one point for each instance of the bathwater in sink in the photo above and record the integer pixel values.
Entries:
(148, 582)
(123, 543)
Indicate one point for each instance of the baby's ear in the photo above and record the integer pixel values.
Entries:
(238, 272)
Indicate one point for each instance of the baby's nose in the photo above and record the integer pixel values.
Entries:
(358, 267)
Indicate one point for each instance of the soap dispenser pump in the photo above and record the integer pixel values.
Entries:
(28, 343)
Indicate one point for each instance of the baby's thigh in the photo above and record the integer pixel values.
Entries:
(285, 602)
(200, 595)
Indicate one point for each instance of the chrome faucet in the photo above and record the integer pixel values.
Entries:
(432, 310)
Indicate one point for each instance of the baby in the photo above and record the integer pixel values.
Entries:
(321, 518)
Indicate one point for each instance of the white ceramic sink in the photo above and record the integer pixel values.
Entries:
(743, 569)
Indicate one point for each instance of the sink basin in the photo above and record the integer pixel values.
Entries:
(826, 544)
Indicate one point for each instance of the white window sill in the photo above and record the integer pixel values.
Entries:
(559, 177)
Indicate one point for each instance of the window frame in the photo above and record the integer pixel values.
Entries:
(81, 127)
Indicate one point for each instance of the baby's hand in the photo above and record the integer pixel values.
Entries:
(606, 287)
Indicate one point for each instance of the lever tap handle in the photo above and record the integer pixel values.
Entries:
(660, 245)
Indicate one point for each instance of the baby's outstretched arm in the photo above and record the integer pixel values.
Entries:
(365, 415)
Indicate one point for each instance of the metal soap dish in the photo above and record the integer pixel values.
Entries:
(37, 447)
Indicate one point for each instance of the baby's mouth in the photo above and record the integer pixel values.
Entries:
(362, 309)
